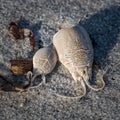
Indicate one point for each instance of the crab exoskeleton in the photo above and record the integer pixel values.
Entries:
(44, 62)
(75, 52)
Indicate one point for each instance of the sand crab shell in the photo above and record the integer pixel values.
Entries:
(44, 62)
(75, 52)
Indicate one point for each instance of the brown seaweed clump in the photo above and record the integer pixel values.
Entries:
(21, 66)
(20, 33)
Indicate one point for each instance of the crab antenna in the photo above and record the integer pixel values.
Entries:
(33, 78)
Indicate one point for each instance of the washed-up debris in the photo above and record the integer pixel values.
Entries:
(16, 31)
(20, 33)
(16, 86)
(21, 66)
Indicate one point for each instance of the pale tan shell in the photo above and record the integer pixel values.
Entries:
(44, 60)
(75, 52)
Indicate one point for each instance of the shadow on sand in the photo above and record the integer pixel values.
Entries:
(103, 28)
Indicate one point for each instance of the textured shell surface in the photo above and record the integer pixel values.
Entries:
(75, 51)
(44, 60)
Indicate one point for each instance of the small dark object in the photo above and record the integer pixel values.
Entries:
(16, 30)
(21, 33)
(6, 85)
(32, 43)
(21, 66)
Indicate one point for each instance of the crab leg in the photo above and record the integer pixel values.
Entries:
(99, 83)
